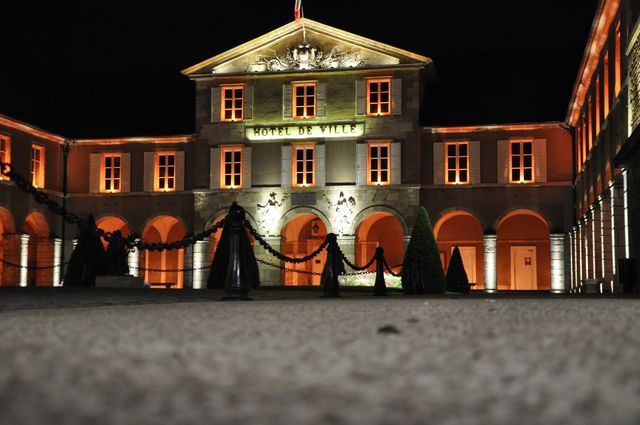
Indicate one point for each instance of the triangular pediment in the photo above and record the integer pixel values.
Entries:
(285, 50)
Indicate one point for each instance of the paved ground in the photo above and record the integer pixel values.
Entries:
(182, 357)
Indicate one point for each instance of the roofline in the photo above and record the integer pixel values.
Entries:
(604, 17)
(494, 127)
(290, 28)
(30, 129)
(143, 139)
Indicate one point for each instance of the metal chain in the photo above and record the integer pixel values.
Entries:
(390, 269)
(53, 266)
(171, 270)
(277, 266)
(279, 255)
(356, 268)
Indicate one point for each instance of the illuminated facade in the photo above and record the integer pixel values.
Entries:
(313, 130)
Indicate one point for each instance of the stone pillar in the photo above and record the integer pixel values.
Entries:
(24, 259)
(586, 237)
(605, 226)
(200, 259)
(133, 259)
(572, 261)
(579, 253)
(57, 259)
(490, 263)
(617, 223)
(557, 263)
(269, 276)
(187, 263)
(597, 240)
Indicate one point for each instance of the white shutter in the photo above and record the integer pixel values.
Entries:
(321, 177)
(396, 163)
(361, 97)
(125, 170)
(214, 168)
(248, 102)
(286, 166)
(321, 100)
(179, 171)
(474, 162)
(396, 96)
(540, 159)
(149, 170)
(215, 104)
(286, 101)
(503, 161)
(361, 164)
(438, 163)
(95, 160)
(246, 167)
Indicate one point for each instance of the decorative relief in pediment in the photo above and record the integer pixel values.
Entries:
(306, 57)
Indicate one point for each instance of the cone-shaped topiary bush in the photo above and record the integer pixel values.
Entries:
(422, 269)
(88, 259)
(457, 280)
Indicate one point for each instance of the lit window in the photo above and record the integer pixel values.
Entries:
(232, 103)
(590, 134)
(5, 153)
(597, 106)
(303, 165)
(457, 162)
(578, 146)
(37, 165)
(618, 73)
(165, 171)
(584, 139)
(379, 97)
(379, 163)
(304, 100)
(605, 93)
(231, 167)
(111, 173)
(521, 163)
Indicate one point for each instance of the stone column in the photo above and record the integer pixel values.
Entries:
(57, 259)
(490, 263)
(187, 263)
(605, 238)
(200, 259)
(557, 263)
(269, 276)
(579, 253)
(133, 259)
(586, 233)
(597, 240)
(572, 261)
(24, 259)
(618, 238)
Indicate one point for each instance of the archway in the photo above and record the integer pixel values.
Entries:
(462, 229)
(40, 252)
(301, 235)
(523, 253)
(112, 223)
(9, 248)
(379, 229)
(164, 229)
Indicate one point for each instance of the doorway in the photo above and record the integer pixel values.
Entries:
(523, 268)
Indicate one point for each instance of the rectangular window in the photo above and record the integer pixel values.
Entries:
(5, 152)
(165, 171)
(379, 158)
(597, 106)
(232, 102)
(590, 134)
(457, 162)
(605, 92)
(521, 162)
(231, 167)
(379, 96)
(304, 165)
(583, 144)
(618, 59)
(304, 100)
(37, 165)
(579, 146)
(111, 173)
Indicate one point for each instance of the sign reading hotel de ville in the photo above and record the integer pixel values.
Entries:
(305, 131)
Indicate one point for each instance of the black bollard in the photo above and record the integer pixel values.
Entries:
(380, 288)
(236, 283)
(329, 282)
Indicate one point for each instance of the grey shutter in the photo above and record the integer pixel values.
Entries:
(396, 96)
(95, 160)
(286, 166)
(321, 178)
(215, 104)
(125, 170)
(321, 100)
(396, 163)
(286, 101)
(438, 163)
(361, 97)
(149, 170)
(248, 102)
(474, 162)
(540, 159)
(214, 168)
(246, 167)
(361, 164)
(179, 171)
(503, 161)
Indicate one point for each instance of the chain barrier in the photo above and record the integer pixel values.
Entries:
(280, 256)
(390, 269)
(288, 269)
(170, 270)
(53, 266)
(356, 268)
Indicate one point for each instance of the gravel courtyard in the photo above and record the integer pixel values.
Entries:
(289, 357)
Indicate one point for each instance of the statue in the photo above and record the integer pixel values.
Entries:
(117, 255)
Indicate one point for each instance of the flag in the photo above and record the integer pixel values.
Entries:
(297, 11)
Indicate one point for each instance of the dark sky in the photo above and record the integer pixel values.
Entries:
(107, 69)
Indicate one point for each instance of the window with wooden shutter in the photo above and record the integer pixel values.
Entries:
(216, 96)
(521, 161)
(378, 164)
(285, 156)
(165, 172)
(232, 102)
(361, 163)
(304, 100)
(5, 152)
(214, 168)
(111, 173)
(286, 101)
(37, 166)
(231, 167)
(457, 162)
(379, 96)
(303, 163)
(438, 163)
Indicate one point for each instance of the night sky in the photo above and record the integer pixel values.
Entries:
(108, 69)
